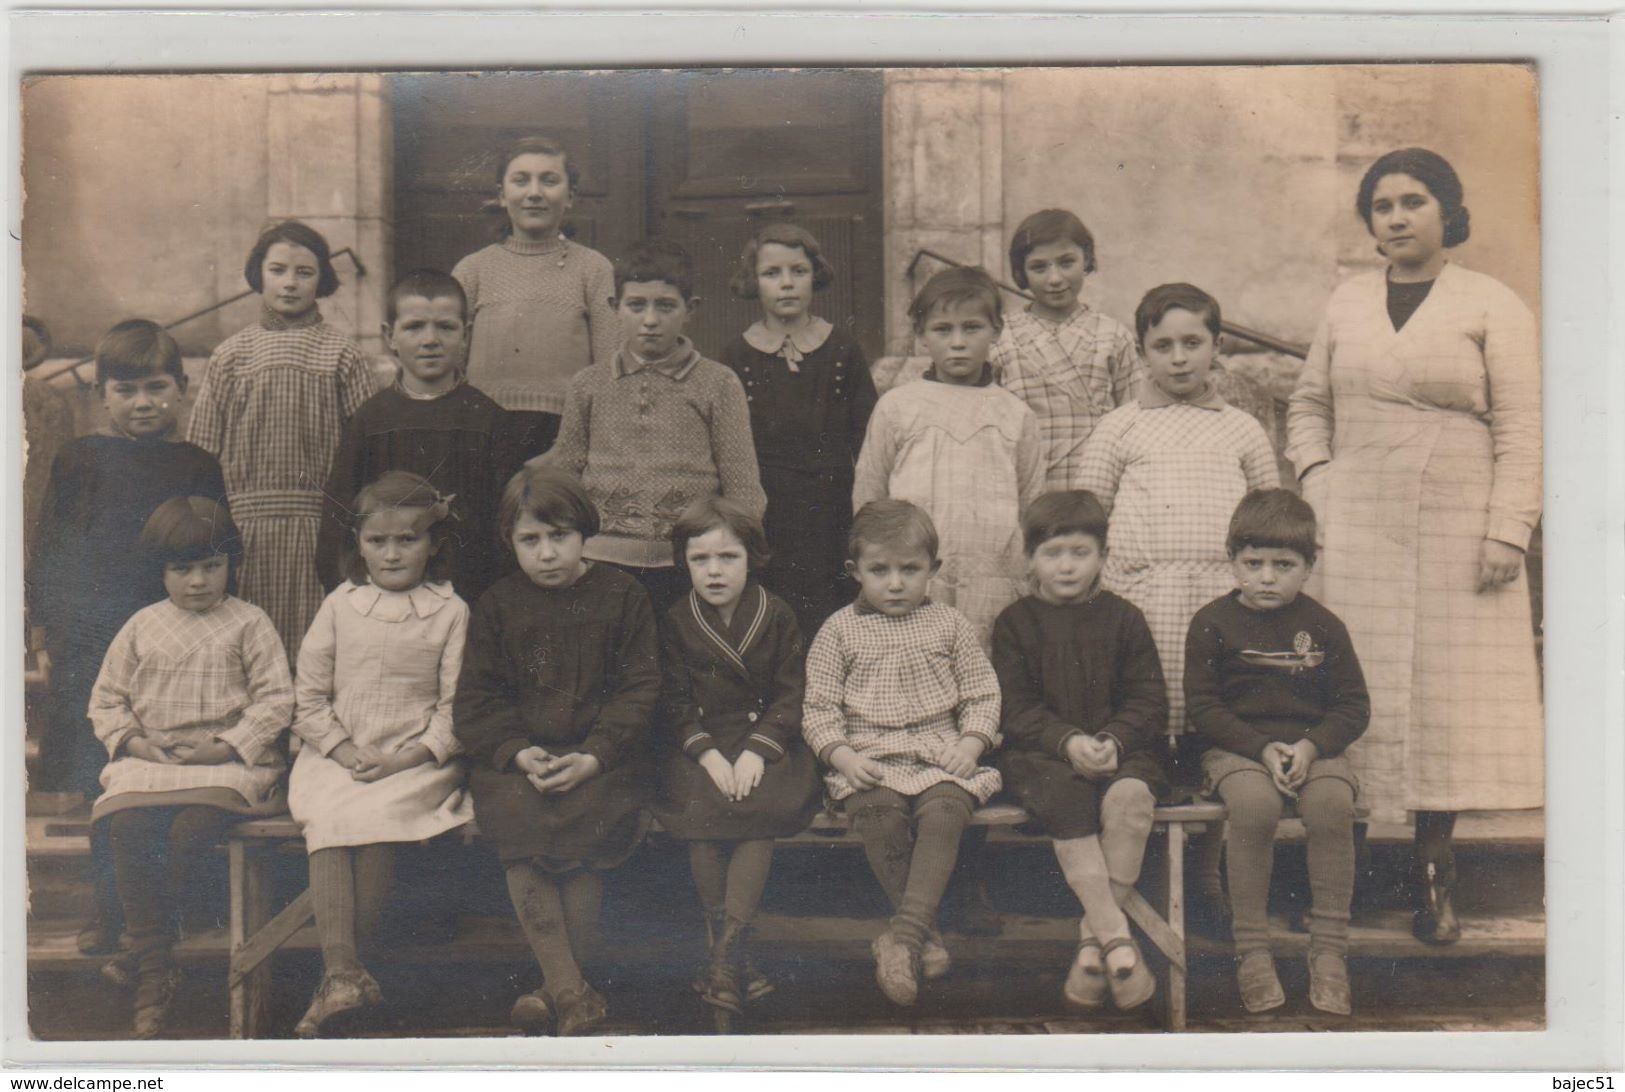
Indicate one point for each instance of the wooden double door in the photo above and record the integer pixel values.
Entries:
(703, 157)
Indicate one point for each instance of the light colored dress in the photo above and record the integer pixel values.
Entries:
(971, 457)
(1433, 434)
(185, 677)
(379, 668)
(1072, 374)
(1170, 475)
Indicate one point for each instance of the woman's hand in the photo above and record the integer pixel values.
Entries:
(748, 770)
(369, 765)
(148, 751)
(214, 752)
(960, 757)
(1498, 563)
(562, 773)
(862, 773)
(721, 771)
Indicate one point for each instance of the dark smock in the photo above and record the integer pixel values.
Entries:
(1089, 667)
(575, 671)
(737, 688)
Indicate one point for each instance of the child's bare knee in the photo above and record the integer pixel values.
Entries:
(1128, 806)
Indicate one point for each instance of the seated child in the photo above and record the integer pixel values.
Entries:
(902, 705)
(191, 702)
(657, 427)
(1084, 717)
(737, 774)
(965, 450)
(377, 673)
(559, 683)
(432, 422)
(1275, 689)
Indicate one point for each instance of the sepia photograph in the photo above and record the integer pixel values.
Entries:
(1043, 550)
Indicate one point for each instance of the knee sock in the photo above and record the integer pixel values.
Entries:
(374, 875)
(888, 843)
(1125, 827)
(540, 909)
(1255, 812)
(193, 832)
(1327, 807)
(1084, 866)
(107, 909)
(1434, 832)
(582, 894)
(332, 889)
(137, 840)
(747, 877)
(936, 847)
(708, 861)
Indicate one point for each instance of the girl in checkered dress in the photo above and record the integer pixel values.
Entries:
(191, 703)
(273, 401)
(377, 673)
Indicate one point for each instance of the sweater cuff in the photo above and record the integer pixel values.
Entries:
(1507, 529)
(768, 749)
(502, 757)
(1060, 747)
(698, 743)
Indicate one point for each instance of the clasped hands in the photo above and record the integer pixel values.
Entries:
(549, 773)
(734, 780)
(1288, 764)
(959, 758)
(212, 752)
(369, 763)
(1092, 756)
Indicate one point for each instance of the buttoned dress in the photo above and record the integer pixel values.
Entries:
(178, 676)
(1433, 436)
(1170, 475)
(379, 669)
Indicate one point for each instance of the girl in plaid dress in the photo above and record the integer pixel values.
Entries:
(191, 703)
(273, 401)
(377, 673)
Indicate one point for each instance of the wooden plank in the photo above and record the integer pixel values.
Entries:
(236, 856)
(276, 932)
(1177, 970)
(256, 900)
(1143, 914)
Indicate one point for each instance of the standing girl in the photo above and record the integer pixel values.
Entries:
(377, 672)
(558, 686)
(190, 703)
(741, 775)
(810, 395)
(273, 401)
(539, 303)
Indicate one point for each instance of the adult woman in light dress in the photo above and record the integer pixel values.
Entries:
(1416, 432)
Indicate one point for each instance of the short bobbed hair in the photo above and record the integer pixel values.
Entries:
(1433, 171)
(709, 513)
(296, 234)
(1273, 518)
(137, 349)
(656, 259)
(431, 284)
(743, 282)
(1156, 304)
(1045, 227)
(548, 495)
(897, 523)
(955, 286)
(1068, 512)
(400, 489)
(190, 529)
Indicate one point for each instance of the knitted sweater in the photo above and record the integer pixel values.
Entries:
(648, 441)
(541, 313)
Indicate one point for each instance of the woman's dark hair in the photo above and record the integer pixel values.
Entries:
(1433, 171)
(743, 282)
(1176, 297)
(295, 234)
(136, 349)
(952, 287)
(709, 513)
(1273, 519)
(190, 529)
(547, 495)
(400, 489)
(1068, 512)
(1045, 227)
(535, 144)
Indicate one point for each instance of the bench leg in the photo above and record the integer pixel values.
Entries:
(1176, 922)
(250, 909)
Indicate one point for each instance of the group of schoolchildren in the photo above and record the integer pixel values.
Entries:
(641, 588)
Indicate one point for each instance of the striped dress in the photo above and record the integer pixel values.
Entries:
(273, 401)
(1170, 475)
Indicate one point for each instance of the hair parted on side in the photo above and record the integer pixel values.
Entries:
(190, 529)
(1042, 228)
(1156, 304)
(892, 523)
(1433, 171)
(535, 144)
(656, 259)
(296, 234)
(548, 495)
(1066, 512)
(431, 284)
(392, 490)
(1273, 518)
(952, 287)
(709, 513)
(743, 282)
(136, 349)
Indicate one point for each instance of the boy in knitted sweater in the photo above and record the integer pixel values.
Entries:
(657, 427)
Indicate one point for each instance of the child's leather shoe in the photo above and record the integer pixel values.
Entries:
(1329, 983)
(532, 1013)
(934, 959)
(580, 1010)
(1086, 979)
(897, 968)
(1260, 988)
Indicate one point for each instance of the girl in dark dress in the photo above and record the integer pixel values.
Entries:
(810, 396)
(738, 774)
(560, 678)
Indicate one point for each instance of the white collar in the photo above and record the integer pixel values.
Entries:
(793, 345)
(423, 600)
